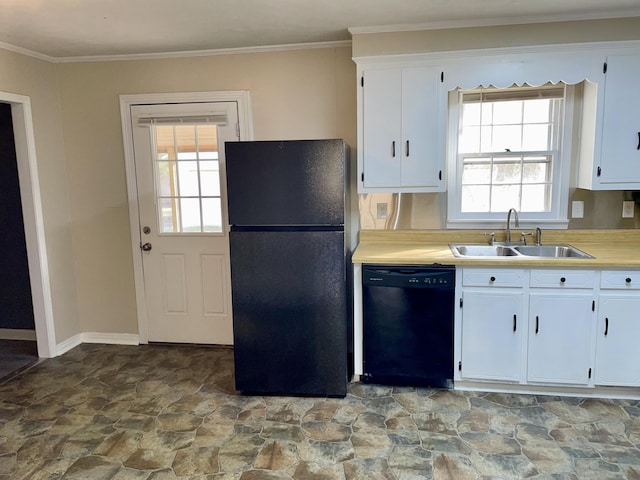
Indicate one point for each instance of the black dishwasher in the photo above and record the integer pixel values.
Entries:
(408, 325)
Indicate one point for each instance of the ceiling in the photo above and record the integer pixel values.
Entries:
(59, 29)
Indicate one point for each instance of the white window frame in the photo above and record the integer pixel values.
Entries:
(555, 218)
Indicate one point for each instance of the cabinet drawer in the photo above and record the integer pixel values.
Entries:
(629, 280)
(493, 277)
(563, 278)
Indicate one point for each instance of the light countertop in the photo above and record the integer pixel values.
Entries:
(611, 248)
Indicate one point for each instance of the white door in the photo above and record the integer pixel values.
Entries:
(180, 175)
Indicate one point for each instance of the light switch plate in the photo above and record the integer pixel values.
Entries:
(383, 210)
(627, 209)
(577, 209)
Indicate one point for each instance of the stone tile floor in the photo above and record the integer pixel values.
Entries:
(164, 412)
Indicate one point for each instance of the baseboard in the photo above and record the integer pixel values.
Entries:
(111, 338)
(95, 337)
(17, 334)
(68, 344)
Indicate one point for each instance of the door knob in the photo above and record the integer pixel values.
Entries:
(146, 247)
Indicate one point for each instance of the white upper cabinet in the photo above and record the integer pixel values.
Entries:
(400, 131)
(403, 110)
(610, 149)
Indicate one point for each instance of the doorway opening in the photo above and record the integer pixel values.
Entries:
(36, 275)
(18, 348)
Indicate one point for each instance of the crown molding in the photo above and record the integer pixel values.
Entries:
(491, 22)
(27, 52)
(180, 54)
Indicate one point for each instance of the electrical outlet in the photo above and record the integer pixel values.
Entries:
(577, 209)
(383, 210)
(627, 209)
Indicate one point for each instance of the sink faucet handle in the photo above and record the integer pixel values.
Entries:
(492, 237)
(523, 236)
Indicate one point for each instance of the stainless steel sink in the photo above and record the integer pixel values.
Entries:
(530, 251)
(482, 251)
(551, 251)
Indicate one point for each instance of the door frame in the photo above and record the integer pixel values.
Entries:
(245, 123)
(33, 219)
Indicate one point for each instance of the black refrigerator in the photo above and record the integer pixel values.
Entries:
(290, 264)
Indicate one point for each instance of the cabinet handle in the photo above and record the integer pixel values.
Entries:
(638, 140)
(606, 326)
(493, 279)
(562, 279)
(628, 279)
(537, 324)
(407, 148)
(393, 149)
(515, 323)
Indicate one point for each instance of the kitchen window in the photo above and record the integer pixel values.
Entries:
(507, 150)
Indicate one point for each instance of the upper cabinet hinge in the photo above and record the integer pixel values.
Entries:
(362, 81)
(441, 77)
(604, 67)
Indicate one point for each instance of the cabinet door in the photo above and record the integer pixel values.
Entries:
(492, 326)
(560, 327)
(620, 157)
(420, 155)
(617, 341)
(382, 127)
(403, 139)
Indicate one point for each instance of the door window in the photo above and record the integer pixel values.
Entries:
(187, 177)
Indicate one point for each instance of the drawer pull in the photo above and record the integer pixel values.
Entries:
(562, 279)
(493, 279)
(606, 326)
(628, 279)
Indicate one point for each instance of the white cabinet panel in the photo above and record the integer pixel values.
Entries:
(618, 340)
(610, 139)
(492, 326)
(402, 130)
(382, 129)
(620, 279)
(565, 278)
(493, 277)
(560, 328)
(620, 157)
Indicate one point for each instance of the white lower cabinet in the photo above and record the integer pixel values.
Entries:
(492, 325)
(618, 330)
(493, 322)
(544, 327)
(560, 332)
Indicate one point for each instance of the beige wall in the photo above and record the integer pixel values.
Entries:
(428, 211)
(295, 95)
(36, 79)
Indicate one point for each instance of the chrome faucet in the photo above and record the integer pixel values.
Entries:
(507, 236)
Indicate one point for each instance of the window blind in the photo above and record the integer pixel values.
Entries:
(215, 119)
